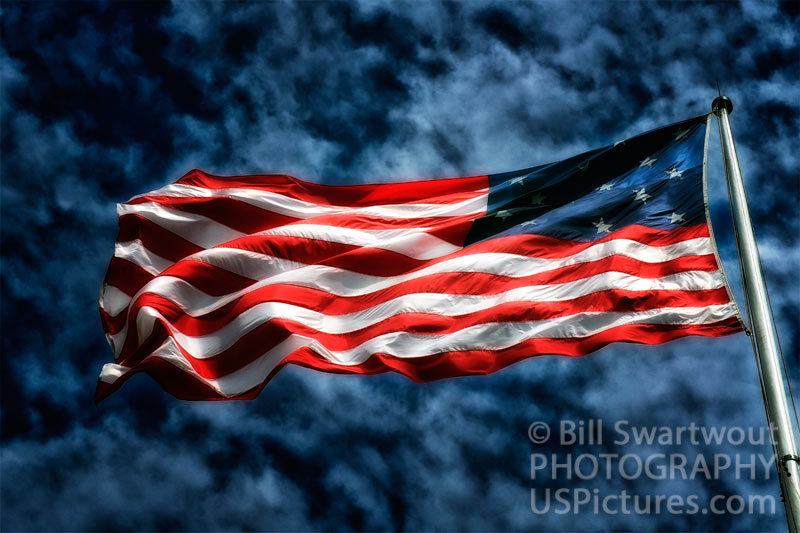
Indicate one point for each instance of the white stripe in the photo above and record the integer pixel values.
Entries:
(113, 300)
(253, 265)
(196, 229)
(347, 283)
(491, 336)
(272, 270)
(285, 205)
(411, 242)
(136, 252)
(500, 335)
(429, 303)
(235, 383)
(111, 372)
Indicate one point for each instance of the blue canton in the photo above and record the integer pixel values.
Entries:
(654, 179)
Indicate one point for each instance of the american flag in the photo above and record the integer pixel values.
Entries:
(218, 282)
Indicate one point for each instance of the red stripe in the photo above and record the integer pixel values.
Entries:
(210, 279)
(442, 191)
(446, 282)
(158, 240)
(480, 362)
(173, 380)
(241, 216)
(379, 262)
(113, 324)
(554, 248)
(429, 368)
(254, 343)
(126, 276)
(249, 219)
(360, 259)
(131, 344)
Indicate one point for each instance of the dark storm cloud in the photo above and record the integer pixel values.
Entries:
(102, 101)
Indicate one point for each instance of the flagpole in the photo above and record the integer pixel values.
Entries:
(763, 329)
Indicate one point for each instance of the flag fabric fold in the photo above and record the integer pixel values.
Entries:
(218, 282)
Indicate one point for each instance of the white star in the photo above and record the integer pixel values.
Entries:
(642, 195)
(676, 217)
(520, 180)
(675, 173)
(681, 134)
(602, 227)
(503, 214)
(647, 162)
(605, 187)
(618, 143)
(537, 199)
(528, 223)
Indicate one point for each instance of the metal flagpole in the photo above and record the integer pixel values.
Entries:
(763, 329)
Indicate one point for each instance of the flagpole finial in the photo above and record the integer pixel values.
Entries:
(720, 103)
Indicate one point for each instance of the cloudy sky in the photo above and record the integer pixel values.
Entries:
(102, 101)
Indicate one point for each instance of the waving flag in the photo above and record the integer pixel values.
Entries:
(217, 282)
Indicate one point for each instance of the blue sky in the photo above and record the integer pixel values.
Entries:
(102, 101)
